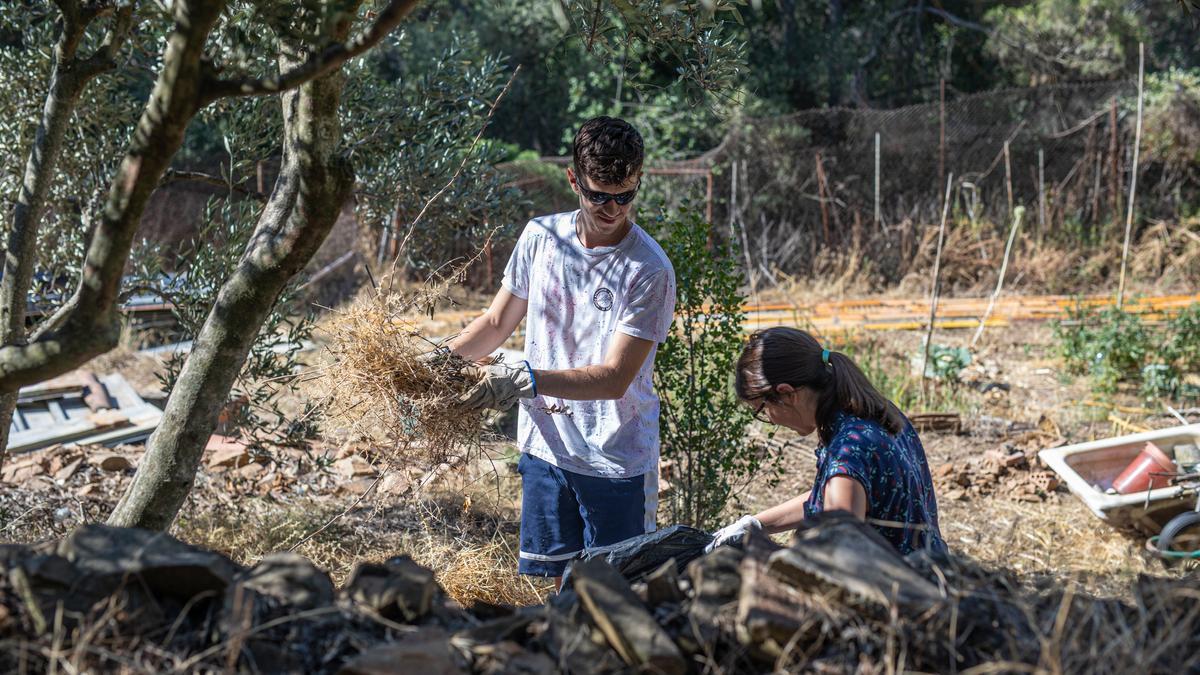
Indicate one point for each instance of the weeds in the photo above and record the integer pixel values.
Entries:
(1114, 347)
(891, 375)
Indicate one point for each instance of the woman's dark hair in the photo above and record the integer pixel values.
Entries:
(608, 150)
(790, 356)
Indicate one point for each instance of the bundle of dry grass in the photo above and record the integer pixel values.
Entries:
(389, 383)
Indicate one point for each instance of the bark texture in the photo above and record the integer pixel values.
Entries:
(314, 183)
(187, 82)
(91, 324)
(69, 77)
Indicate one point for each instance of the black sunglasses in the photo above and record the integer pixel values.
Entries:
(602, 198)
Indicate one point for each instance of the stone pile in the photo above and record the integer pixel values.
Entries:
(838, 600)
(1009, 467)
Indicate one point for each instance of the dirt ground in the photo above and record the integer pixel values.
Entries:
(465, 526)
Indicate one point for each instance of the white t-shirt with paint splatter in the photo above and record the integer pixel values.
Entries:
(578, 298)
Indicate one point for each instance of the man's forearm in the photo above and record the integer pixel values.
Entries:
(589, 383)
(480, 338)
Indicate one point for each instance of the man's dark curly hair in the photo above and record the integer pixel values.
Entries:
(608, 150)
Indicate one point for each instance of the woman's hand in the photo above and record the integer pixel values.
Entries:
(733, 532)
(843, 493)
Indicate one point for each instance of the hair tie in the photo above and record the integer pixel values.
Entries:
(825, 356)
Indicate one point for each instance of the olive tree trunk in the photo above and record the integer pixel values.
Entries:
(69, 76)
(315, 181)
(87, 325)
(90, 326)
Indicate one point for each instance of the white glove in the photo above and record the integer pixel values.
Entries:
(499, 386)
(734, 532)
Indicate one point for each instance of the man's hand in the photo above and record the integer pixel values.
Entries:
(499, 385)
(734, 532)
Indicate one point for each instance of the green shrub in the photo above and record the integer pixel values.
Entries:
(703, 426)
(1112, 346)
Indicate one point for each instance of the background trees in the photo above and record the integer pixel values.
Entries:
(377, 105)
(210, 61)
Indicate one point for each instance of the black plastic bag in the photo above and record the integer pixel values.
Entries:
(638, 556)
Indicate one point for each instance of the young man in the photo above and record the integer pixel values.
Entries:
(598, 295)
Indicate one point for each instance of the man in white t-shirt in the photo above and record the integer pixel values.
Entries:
(598, 295)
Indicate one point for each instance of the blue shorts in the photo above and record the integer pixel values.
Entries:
(563, 513)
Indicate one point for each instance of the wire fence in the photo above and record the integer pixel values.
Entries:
(793, 188)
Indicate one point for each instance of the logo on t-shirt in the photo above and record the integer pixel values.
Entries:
(603, 299)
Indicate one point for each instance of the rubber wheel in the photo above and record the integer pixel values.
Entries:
(1176, 525)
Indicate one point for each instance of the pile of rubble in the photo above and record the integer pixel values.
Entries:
(838, 600)
(1012, 469)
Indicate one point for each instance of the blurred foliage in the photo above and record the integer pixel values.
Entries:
(410, 126)
(1067, 40)
(1172, 118)
(1114, 347)
(255, 410)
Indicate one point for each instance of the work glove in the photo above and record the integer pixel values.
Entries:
(734, 532)
(499, 385)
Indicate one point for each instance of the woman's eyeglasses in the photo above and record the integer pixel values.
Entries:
(602, 198)
(758, 412)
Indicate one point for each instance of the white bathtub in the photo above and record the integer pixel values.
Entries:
(1084, 467)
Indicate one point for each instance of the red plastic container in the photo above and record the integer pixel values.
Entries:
(1136, 477)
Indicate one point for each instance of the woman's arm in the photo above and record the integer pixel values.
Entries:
(785, 516)
(843, 493)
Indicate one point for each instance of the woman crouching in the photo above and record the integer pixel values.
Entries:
(869, 461)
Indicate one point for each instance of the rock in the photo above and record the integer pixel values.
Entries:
(399, 589)
(107, 557)
(354, 466)
(497, 630)
(772, 614)
(662, 585)
(113, 462)
(572, 639)
(64, 474)
(717, 582)
(427, 653)
(626, 624)
(290, 578)
(510, 658)
(357, 486)
(223, 451)
(840, 552)
(393, 483)
(21, 469)
(251, 471)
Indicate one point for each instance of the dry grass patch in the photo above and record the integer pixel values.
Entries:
(466, 536)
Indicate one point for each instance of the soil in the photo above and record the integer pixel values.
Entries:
(465, 525)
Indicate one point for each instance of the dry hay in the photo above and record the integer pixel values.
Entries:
(1165, 256)
(390, 384)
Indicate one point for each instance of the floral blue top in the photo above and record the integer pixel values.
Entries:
(893, 472)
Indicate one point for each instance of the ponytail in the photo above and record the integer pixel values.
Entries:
(851, 391)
